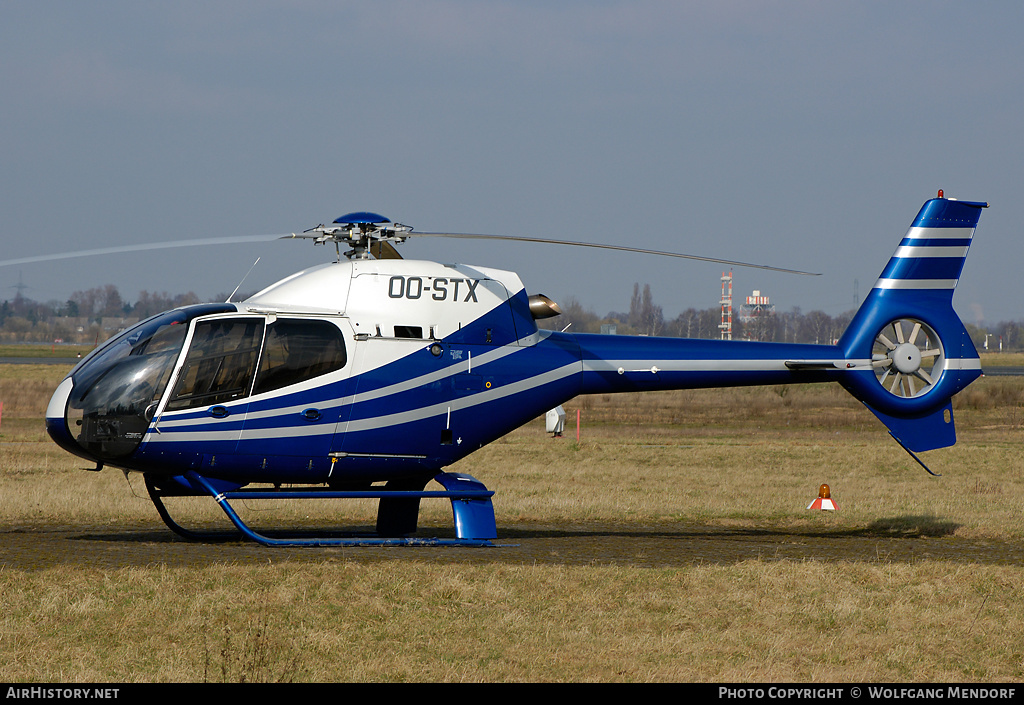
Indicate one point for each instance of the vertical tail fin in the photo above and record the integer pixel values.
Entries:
(919, 352)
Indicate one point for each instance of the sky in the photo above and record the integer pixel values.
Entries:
(804, 135)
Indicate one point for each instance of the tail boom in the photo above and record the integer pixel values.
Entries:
(632, 363)
(904, 354)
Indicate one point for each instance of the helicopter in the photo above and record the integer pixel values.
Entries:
(369, 375)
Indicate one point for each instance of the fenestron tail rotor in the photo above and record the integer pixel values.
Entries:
(908, 358)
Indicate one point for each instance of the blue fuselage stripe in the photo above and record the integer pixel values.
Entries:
(923, 268)
(934, 242)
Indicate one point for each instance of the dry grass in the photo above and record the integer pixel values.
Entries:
(43, 350)
(410, 621)
(1002, 359)
(721, 458)
(26, 389)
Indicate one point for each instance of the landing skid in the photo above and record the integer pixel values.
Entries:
(397, 513)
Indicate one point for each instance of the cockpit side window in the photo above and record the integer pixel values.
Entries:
(220, 364)
(297, 350)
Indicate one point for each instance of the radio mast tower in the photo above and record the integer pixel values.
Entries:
(726, 325)
(20, 286)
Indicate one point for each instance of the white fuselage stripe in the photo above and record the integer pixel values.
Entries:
(912, 251)
(459, 404)
(377, 421)
(939, 234)
(461, 366)
(916, 284)
(653, 366)
(962, 363)
(466, 402)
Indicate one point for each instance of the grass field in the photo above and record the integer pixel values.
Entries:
(43, 350)
(741, 458)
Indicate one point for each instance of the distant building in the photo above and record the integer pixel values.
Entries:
(757, 313)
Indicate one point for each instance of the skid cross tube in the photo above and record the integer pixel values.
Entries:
(471, 508)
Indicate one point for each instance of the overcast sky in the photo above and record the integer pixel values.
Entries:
(795, 134)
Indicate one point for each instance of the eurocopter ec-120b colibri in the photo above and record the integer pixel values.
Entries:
(375, 369)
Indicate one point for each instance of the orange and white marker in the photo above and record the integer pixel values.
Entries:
(824, 500)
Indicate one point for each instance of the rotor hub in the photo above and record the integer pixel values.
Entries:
(906, 358)
(368, 234)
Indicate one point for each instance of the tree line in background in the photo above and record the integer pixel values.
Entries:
(93, 315)
(794, 326)
(88, 316)
(646, 318)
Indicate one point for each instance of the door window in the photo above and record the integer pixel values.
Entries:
(220, 364)
(297, 350)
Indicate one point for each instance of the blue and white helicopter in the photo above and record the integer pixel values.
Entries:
(374, 369)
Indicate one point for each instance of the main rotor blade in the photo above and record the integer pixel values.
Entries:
(621, 248)
(145, 246)
(386, 253)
